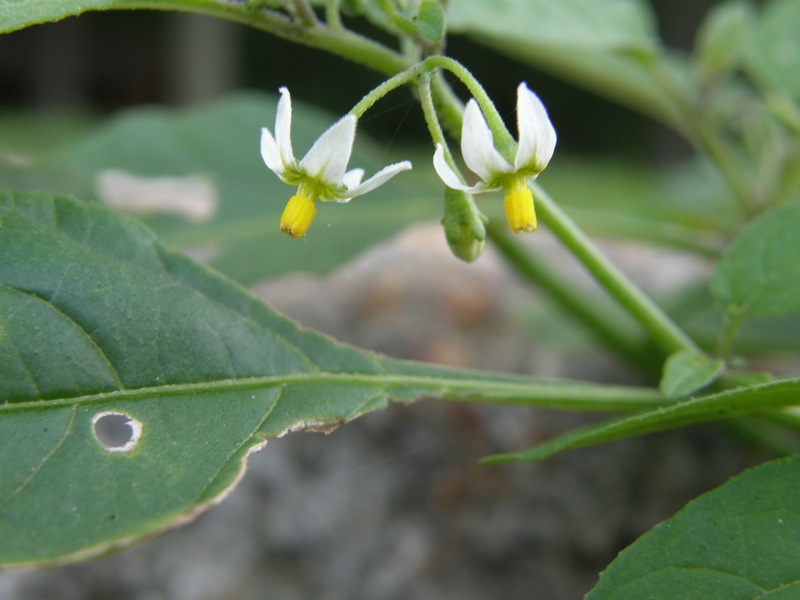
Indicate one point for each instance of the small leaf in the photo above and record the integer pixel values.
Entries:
(740, 540)
(687, 372)
(134, 383)
(751, 399)
(429, 21)
(723, 37)
(760, 274)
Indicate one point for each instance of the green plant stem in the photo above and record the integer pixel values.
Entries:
(332, 18)
(449, 107)
(502, 138)
(340, 42)
(402, 78)
(732, 323)
(304, 12)
(432, 119)
(720, 152)
(663, 330)
(573, 302)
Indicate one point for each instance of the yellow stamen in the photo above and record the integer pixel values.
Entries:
(519, 206)
(297, 216)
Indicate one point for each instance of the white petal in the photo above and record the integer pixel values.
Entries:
(352, 178)
(477, 146)
(537, 136)
(270, 152)
(327, 160)
(446, 174)
(449, 177)
(381, 177)
(283, 128)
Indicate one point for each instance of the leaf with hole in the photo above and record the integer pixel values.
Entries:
(737, 541)
(135, 382)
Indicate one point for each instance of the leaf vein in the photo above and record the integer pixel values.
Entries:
(29, 479)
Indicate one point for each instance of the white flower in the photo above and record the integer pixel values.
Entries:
(537, 141)
(322, 173)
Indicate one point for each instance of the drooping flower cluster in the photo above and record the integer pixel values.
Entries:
(322, 173)
(537, 141)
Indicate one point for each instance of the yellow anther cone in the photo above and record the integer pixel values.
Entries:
(297, 216)
(519, 207)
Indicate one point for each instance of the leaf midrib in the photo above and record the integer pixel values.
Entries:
(535, 393)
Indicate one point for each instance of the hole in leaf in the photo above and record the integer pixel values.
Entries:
(117, 432)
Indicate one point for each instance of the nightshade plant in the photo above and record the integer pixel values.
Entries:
(104, 322)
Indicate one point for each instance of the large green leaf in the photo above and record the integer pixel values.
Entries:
(596, 24)
(760, 273)
(740, 541)
(219, 143)
(16, 14)
(102, 327)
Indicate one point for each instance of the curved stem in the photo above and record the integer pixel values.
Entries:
(432, 120)
(402, 78)
(502, 138)
(448, 106)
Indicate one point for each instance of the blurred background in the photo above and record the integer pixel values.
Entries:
(99, 63)
(391, 506)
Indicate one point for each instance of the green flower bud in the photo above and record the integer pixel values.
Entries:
(464, 225)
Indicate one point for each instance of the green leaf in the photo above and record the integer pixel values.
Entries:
(217, 145)
(429, 21)
(740, 401)
(724, 36)
(604, 45)
(739, 541)
(102, 327)
(687, 372)
(17, 14)
(596, 24)
(760, 273)
(773, 56)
